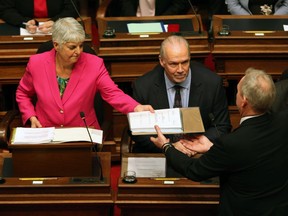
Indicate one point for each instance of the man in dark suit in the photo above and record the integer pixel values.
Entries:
(281, 101)
(161, 7)
(251, 161)
(17, 12)
(200, 87)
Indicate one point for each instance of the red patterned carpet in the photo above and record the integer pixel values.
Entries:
(115, 173)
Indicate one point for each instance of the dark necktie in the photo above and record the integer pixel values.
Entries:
(177, 99)
(177, 104)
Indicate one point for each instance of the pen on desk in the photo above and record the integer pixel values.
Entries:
(166, 179)
(38, 179)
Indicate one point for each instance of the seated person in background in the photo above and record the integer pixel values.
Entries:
(17, 12)
(65, 81)
(199, 87)
(217, 7)
(257, 7)
(251, 161)
(153, 7)
(281, 100)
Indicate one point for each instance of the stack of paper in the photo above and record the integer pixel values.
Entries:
(169, 120)
(137, 28)
(23, 135)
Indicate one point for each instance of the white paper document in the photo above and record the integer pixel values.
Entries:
(156, 27)
(33, 135)
(51, 134)
(169, 120)
(24, 32)
(77, 134)
(147, 166)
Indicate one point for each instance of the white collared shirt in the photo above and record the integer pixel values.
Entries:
(146, 8)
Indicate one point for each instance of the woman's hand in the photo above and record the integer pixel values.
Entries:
(140, 108)
(35, 122)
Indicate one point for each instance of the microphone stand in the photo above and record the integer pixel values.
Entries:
(95, 159)
(194, 12)
(80, 17)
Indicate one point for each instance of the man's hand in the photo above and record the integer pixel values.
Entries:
(160, 140)
(46, 27)
(180, 147)
(31, 26)
(200, 144)
(140, 108)
(35, 122)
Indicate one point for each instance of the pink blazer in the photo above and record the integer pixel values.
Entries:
(88, 77)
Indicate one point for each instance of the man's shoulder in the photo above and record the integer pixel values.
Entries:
(152, 75)
(282, 84)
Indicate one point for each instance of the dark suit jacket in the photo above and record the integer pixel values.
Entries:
(206, 92)
(15, 12)
(162, 7)
(252, 164)
(281, 101)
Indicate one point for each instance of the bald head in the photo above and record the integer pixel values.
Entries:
(174, 42)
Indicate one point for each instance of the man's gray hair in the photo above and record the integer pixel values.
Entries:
(259, 89)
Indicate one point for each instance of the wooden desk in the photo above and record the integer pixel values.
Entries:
(254, 41)
(152, 197)
(15, 51)
(56, 196)
(129, 56)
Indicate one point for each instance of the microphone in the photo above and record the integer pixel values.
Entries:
(212, 118)
(82, 21)
(194, 12)
(82, 115)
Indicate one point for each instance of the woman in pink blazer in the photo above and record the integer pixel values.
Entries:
(65, 81)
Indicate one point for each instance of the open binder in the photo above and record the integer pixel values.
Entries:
(170, 121)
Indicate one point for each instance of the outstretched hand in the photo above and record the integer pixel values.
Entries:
(140, 108)
(200, 144)
(160, 140)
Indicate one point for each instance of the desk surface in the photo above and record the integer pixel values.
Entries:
(125, 44)
(181, 197)
(155, 196)
(250, 45)
(53, 195)
(251, 23)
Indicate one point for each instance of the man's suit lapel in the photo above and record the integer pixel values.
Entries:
(196, 90)
(160, 92)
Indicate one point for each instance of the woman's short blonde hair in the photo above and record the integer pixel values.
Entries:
(67, 30)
